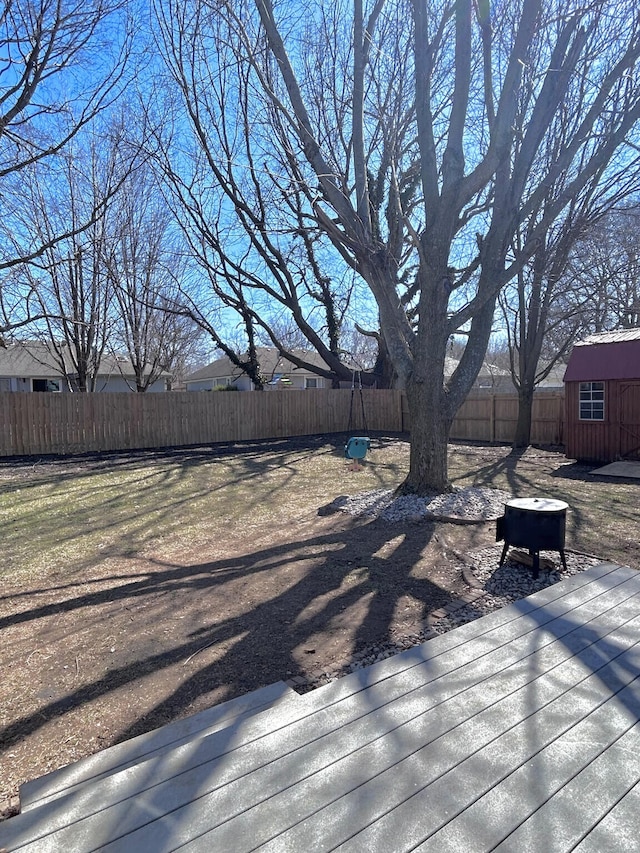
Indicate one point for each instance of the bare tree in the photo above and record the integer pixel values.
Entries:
(267, 264)
(63, 62)
(67, 287)
(144, 262)
(541, 307)
(408, 136)
(547, 305)
(583, 278)
(185, 348)
(541, 321)
(605, 266)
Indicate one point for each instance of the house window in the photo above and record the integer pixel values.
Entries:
(592, 401)
(46, 385)
(311, 382)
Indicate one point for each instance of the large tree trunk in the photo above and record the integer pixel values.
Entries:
(429, 409)
(428, 467)
(432, 403)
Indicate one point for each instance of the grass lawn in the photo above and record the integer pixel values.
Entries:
(66, 516)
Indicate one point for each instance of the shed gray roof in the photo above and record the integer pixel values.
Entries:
(615, 336)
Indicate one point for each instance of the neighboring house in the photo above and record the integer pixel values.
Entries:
(279, 373)
(31, 366)
(555, 380)
(497, 380)
(602, 392)
(490, 378)
(117, 374)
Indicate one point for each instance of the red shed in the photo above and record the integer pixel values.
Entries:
(602, 394)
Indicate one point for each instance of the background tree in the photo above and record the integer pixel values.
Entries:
(185, 348)
(63, 63)
(605, 266)
(67, 286)
(273, 275)
(144, 261)
(546, 308)
(541, 305)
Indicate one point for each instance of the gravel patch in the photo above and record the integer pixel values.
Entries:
(501, 585)
(474, 503)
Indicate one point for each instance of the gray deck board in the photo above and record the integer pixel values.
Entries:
(144, 746)
(483, 738)
(409, 790)
(618, 831)
(582, 803)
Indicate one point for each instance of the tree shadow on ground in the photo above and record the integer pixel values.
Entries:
(154, 494)
(341, 588)
(581, 471)
(506, 466)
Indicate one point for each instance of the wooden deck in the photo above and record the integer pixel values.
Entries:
(517, 732)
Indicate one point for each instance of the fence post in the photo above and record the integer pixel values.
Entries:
(492, 418)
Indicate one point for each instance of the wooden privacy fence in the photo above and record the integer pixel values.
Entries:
(41, 423)
(493, 417)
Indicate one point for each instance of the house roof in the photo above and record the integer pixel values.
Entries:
(27, 360)
(608, 355)
(271, 364)
(120, 365)
(37, 360)
(487, 369)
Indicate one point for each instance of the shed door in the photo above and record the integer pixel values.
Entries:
(630, 420)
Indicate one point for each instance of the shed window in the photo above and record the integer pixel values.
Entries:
(592, 401)
(310, 382)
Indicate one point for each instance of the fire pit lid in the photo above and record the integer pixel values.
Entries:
(538, 504)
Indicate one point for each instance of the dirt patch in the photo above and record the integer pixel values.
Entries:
(92, 663)
(119, 641)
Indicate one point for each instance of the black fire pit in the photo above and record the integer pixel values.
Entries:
(537, 524)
